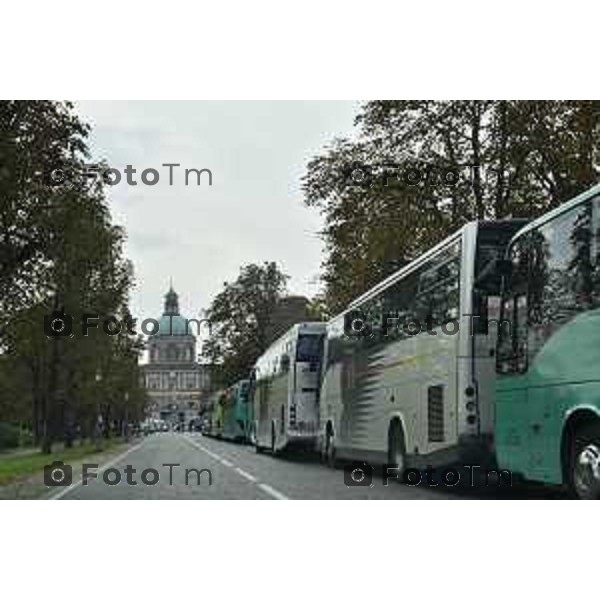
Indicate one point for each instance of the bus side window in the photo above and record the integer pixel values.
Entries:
(513, 330)
(398, 306)
(505, 349)
(437, 296)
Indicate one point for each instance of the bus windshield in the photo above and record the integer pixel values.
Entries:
(308, 348)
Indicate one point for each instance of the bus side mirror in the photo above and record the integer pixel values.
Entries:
(504, 267)
(285, 363)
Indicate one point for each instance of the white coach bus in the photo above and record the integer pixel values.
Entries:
(285, 389)
(392, 396)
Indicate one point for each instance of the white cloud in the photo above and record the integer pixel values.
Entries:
(199, 236)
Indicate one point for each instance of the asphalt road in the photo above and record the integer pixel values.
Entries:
(205, 468)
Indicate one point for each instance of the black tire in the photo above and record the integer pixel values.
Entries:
(322, 443)
(583, 468)
(254, 435)
(329, 452)
(397, 449)
(273, 439)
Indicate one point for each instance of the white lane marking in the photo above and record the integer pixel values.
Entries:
(272, 491)
(64, 491)
(205, 450)
(246, 474)
(211, 454)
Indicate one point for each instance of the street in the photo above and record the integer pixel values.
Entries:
(220, 470)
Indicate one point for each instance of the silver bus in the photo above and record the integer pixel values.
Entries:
(409, 369)
(284, 388)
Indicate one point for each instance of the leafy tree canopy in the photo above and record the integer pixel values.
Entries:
(511, 158)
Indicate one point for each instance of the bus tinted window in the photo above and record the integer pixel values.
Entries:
(398, 304)
(308, 348)
(438, 294)
(555, 277)
(431, 292)
(562, 281)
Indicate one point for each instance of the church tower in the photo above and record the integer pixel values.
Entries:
(175, 382)
(171, 302)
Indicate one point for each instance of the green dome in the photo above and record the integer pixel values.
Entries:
(174, 325)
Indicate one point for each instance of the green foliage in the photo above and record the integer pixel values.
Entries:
(25, 438)
(531, 156)
(288, 311)
(15, 467)
(9, 436)
(59, 250)
(36, 137)
(240, 316)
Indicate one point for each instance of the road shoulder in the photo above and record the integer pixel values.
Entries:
(32, 487)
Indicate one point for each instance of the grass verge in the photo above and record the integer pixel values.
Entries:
(13, 468)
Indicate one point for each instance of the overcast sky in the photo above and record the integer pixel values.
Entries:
(257, 153)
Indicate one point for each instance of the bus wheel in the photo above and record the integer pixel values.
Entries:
(397, 448)
(584, 463)
(329, 452)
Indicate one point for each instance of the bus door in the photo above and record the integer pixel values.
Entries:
(513, 411)
(483, 334)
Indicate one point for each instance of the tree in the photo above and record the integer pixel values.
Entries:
(239, 318)
(506, 159)
(36, 139)
(288, 311)
(59, 250)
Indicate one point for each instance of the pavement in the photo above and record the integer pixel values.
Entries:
(189, 466)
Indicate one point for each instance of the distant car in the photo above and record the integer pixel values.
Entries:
(164, 427)
(205, 427)
(194, 425)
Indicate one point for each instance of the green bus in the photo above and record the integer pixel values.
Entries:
(213, 426)
(548, 354)
(236, 412)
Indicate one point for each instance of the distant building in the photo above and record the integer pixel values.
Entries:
(176, 384)
(288, 311)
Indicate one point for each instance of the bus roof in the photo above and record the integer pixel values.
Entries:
(555, 212)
